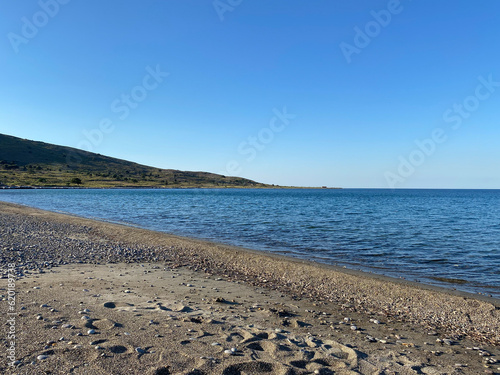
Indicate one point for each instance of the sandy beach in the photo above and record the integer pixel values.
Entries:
(102, 298)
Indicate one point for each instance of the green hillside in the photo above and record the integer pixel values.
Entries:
(29, 163)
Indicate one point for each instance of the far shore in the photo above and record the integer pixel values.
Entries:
(16, 187)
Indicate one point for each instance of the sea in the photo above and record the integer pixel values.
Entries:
(447, 238)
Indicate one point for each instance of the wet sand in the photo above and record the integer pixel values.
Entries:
(101, 298)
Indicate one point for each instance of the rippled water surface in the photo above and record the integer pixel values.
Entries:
(442, 237)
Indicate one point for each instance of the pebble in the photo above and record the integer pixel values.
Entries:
(140, 350)
(41, 357)
(91, 331)
(44, 305)
(354, 328)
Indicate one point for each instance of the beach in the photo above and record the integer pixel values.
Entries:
(102, 298)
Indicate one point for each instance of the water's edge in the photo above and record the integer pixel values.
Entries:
(334, 268)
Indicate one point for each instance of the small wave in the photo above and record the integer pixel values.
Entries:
(439, 260)
(449, 281)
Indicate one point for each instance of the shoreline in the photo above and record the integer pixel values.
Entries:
(447, 288)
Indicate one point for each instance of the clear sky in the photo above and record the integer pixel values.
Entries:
(339, 93)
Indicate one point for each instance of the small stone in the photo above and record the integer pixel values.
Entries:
(39, 317)
(91, 331)
(354, 328)
(42, 357)
(140, 350)
(127, 291)
(44, 305)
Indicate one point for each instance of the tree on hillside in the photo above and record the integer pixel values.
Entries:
(76, 180)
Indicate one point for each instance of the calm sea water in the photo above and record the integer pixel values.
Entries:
(425, 235)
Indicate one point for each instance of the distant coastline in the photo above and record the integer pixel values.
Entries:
(5, 187)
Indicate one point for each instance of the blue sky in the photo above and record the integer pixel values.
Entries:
(351, 94)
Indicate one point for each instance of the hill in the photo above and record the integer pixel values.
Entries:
(30, 163)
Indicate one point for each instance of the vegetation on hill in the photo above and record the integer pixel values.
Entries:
(29, 163)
